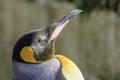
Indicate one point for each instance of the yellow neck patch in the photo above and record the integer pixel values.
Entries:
(27, 55)
(69, 69)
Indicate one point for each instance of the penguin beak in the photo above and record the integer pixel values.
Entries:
(59, 25)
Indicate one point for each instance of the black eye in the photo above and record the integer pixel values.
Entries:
(38, 40)
(45, 40)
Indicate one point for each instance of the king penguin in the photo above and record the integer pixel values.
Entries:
(34, 55)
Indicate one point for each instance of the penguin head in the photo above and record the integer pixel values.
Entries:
(38, 45)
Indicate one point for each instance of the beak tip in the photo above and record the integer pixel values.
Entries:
(80, 11)
(76, 11)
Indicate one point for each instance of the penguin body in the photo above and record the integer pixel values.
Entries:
(58, 68)
(33, 55)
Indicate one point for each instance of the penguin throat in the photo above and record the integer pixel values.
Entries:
(47, 54)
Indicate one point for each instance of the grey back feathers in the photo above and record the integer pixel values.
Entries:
(49, 70)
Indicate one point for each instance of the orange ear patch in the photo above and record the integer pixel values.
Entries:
(70, 70)
(27, 55)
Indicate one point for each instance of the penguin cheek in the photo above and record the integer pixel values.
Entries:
(27, 55)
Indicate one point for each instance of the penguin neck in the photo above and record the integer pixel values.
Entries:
(48, 53)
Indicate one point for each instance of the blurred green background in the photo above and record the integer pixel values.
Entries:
(91, 40)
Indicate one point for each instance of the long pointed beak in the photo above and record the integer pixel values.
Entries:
(59, 25)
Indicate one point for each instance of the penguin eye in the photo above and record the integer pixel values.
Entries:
(44, 41)
(38, 40)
